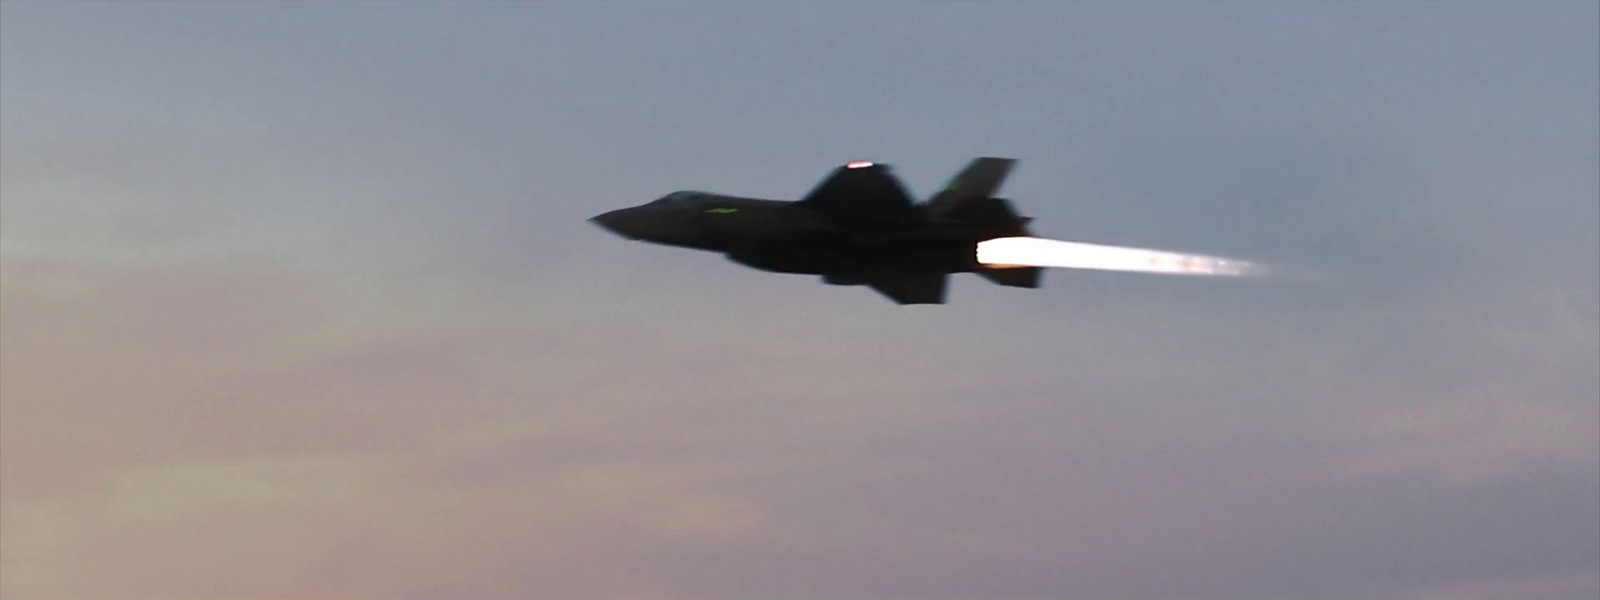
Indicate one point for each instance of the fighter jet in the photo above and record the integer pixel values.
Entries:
(858, 226)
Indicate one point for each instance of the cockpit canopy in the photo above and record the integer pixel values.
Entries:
(680, 198)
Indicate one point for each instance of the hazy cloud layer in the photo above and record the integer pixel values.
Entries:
(299, 301)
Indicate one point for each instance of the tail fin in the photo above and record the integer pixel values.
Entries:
(1023, 277)
(980, 179)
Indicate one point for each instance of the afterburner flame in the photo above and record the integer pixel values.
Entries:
(1040, 252)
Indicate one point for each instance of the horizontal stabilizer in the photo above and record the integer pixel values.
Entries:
(992, 215)
(1022, 277)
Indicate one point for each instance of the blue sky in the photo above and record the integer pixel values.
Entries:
(300, 301)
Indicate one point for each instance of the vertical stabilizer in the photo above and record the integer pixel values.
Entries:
(981, 178)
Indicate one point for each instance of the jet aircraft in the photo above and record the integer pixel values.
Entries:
(859, 226)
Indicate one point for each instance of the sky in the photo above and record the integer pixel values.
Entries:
(300, 301)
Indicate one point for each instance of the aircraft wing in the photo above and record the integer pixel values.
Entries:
(861, 195)
(912, 289)
(981, 179)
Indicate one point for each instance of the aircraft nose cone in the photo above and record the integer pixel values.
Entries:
(618, 222)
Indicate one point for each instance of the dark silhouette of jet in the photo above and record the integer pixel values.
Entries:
(858, 227)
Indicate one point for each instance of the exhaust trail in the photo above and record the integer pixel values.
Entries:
(1041, 252)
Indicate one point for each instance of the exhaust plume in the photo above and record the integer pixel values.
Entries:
(1040, 252)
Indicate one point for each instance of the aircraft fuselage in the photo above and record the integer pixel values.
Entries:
(857, 228)
(783, 237)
